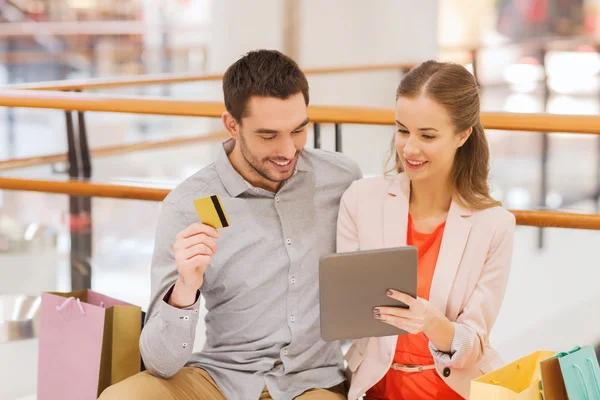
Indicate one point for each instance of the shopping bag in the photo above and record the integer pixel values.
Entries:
(87, 342)
(553, 385)
(580, 372)
(519, 380)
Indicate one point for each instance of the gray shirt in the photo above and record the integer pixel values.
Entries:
(261, 290)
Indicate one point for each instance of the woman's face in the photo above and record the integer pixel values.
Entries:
(425, 139)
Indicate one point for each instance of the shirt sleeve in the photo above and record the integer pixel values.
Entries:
(167, 339)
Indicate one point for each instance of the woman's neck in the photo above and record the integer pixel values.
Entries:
(430, 197)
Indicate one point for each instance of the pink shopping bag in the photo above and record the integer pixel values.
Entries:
(87, 342)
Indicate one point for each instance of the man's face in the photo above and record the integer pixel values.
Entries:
(272, 136)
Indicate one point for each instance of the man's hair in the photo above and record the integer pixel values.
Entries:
(264, 73)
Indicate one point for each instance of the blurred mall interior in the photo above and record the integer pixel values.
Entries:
(529, 56)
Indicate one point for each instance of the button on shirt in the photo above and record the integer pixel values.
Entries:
(261, 290)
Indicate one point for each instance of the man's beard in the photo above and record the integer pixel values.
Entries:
(262, 167)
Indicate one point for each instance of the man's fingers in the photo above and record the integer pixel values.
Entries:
(198, 249)
(198, 239)
(197, 228)
(198, 260)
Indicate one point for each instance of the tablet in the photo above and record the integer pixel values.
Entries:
(352, 284)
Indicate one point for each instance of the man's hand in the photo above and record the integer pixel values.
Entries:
(193, 248)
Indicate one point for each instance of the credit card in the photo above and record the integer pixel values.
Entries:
(211, 212)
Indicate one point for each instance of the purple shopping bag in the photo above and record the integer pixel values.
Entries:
(87, 342)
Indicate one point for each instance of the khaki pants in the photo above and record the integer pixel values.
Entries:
(191, 384)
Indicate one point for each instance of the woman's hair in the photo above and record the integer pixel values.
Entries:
(455, 88)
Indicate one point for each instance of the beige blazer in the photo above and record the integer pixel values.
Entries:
(468, 285)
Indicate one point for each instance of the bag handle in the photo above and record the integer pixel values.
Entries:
(578, 368)
(566, 353)
(67, 301)
(597, 383)
(590, 362)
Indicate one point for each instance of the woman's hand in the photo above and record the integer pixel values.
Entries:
(421, 316)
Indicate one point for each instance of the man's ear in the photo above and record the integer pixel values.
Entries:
(463, 136)
(230, 124)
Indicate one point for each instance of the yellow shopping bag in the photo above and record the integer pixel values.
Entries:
(519, 380)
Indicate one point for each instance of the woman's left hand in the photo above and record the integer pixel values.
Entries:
(421, 316)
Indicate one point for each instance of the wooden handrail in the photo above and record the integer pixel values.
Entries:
(541, 122)
(17, 57)
(84, 188)
(118, 81)
(110, 151)
(554, 219)
(325, 114)
(106, 103)
(174, 78)
(92, 189)
(38, 57)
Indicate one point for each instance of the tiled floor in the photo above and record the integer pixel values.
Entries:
(552, 298)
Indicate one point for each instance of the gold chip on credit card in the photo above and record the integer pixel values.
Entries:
(211, 212)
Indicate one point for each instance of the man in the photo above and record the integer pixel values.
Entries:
(259, 276)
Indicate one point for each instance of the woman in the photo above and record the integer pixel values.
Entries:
(439, 202)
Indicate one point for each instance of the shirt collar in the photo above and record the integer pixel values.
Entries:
(231, 179)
